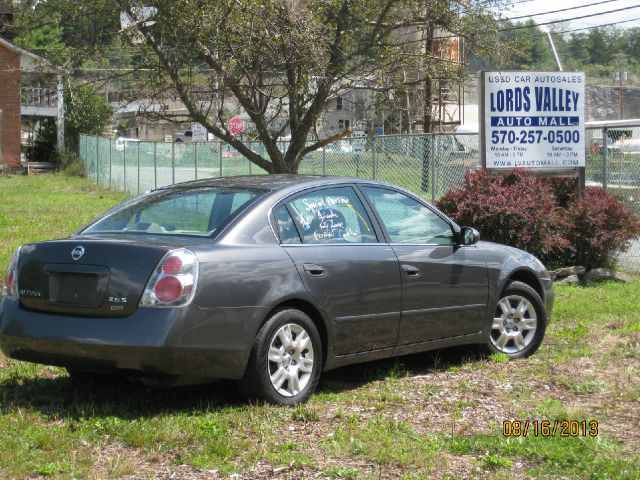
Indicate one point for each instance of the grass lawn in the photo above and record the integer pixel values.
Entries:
(434, 415)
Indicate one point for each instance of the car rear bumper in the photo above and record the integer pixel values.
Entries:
(188, 341)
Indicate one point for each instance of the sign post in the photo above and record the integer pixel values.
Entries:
(533, 120)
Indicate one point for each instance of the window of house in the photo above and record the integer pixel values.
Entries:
(339, 103)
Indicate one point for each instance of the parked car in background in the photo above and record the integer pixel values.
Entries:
(123, 142)
(625, 147)
(340, 147)
(268, 280)
(466, 138)
(181, 137)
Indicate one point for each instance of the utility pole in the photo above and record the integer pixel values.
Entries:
(545, 29)
(622, 61)
(428, 82)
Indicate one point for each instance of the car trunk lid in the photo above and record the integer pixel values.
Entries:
(86, 277)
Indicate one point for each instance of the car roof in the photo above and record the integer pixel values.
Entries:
(272, 183)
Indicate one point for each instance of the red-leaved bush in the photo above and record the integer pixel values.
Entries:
(603, 225)
(517, 209)
(543, 217)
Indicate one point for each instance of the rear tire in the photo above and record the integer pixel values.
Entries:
(286, 359)
(519, 322)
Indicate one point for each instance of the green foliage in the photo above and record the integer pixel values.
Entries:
(45, 143)
(499, 358)
(494, 462)
(72, 165)
(35, 208)
(87, 112)
(593, 51)
(45, 39)
(530, 47)
(279, 62)
(50, 426)
(302, 413)
(56, 30)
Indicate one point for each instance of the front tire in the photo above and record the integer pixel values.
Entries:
(286, 359)
(519, 322)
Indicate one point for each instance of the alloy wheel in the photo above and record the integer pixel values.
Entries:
(514, 324)
(291, 360)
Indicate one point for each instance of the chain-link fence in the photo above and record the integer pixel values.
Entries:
(428, 165)
(613, 163)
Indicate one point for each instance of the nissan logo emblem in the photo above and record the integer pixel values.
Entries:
(77, 253)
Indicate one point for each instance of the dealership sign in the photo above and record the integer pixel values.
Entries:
(533, 120)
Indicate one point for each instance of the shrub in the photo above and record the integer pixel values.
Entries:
(518, 209)
(71, 165)
(603, 225)
(564, 189)
(544, 217)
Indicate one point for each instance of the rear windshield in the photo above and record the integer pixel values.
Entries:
(183, 211)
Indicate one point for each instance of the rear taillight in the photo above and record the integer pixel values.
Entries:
(10, 286)
(173, 282)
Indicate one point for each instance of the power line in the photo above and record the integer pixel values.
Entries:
(520, 27)
(563, 9)
(585, 28)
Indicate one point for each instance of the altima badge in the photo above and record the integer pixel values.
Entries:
(77, 253)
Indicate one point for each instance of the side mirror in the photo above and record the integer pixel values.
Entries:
(469, 236)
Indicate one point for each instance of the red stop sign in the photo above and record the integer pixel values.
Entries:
(236, 125)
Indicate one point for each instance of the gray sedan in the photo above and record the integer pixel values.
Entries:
(268, 280)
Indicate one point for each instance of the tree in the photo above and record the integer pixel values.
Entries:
(599, 46)
(577, 47)
(87, 112)
(528, 46)
(277, 60)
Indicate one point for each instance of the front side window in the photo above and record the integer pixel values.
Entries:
(333, 215)
(407, 220)
(182, 211)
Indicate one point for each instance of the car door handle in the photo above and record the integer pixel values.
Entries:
(411, 271)
(314, 270)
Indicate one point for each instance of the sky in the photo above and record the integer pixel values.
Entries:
(530, 7)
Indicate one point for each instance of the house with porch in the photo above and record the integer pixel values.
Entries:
(31, 92)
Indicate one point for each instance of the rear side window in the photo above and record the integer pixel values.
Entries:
(332, 215)
(286, 228)
(183, 211)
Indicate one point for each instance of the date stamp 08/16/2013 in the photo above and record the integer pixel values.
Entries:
(550, 428)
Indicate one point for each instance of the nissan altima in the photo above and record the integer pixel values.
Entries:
(267, 280)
